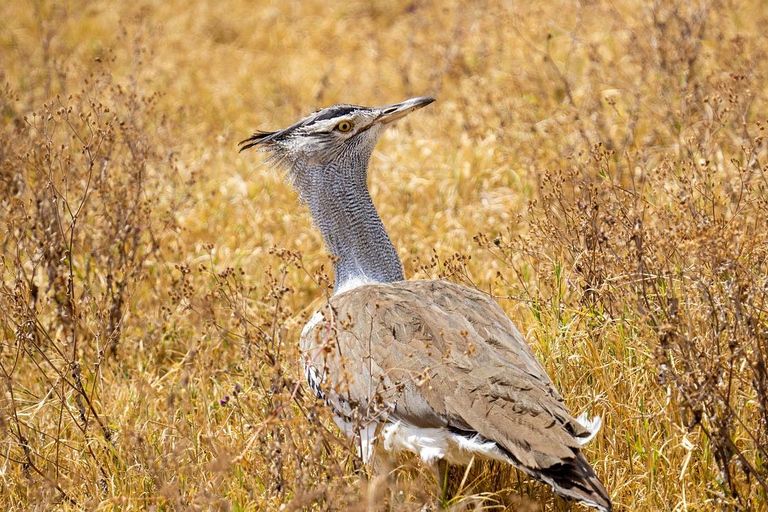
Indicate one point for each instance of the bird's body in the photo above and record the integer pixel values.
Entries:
(430, 367)
(472, 389)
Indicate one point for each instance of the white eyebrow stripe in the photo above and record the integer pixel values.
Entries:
(327, 125)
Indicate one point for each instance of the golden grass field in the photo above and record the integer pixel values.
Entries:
(598, 166)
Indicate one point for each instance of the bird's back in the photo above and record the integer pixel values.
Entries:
(441, 357)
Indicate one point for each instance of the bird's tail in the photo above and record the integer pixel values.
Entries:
(577, 481)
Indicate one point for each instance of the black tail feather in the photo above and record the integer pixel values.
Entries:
(574, 480)
(577, 480)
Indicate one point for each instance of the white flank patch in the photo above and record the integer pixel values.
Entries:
(432, 444)
(593, 426)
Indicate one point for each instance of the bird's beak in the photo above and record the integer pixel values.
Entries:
(392, 113)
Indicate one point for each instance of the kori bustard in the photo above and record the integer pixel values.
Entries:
(431, 367)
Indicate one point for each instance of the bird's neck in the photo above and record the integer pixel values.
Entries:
(342, 208)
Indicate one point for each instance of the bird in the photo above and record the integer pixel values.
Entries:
(424, 366)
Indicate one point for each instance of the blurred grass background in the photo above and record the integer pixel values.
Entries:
(598, 166)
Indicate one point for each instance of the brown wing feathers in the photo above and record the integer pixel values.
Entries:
(447, 356)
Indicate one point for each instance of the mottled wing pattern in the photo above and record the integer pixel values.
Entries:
(438, 354)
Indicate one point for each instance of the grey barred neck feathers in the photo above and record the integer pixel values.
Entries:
(326, 156)
(342, 208)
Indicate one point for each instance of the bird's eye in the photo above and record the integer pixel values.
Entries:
(344, 126)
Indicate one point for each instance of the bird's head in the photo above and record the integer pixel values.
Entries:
(334, 139)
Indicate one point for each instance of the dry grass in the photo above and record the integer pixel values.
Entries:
(603, 163)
